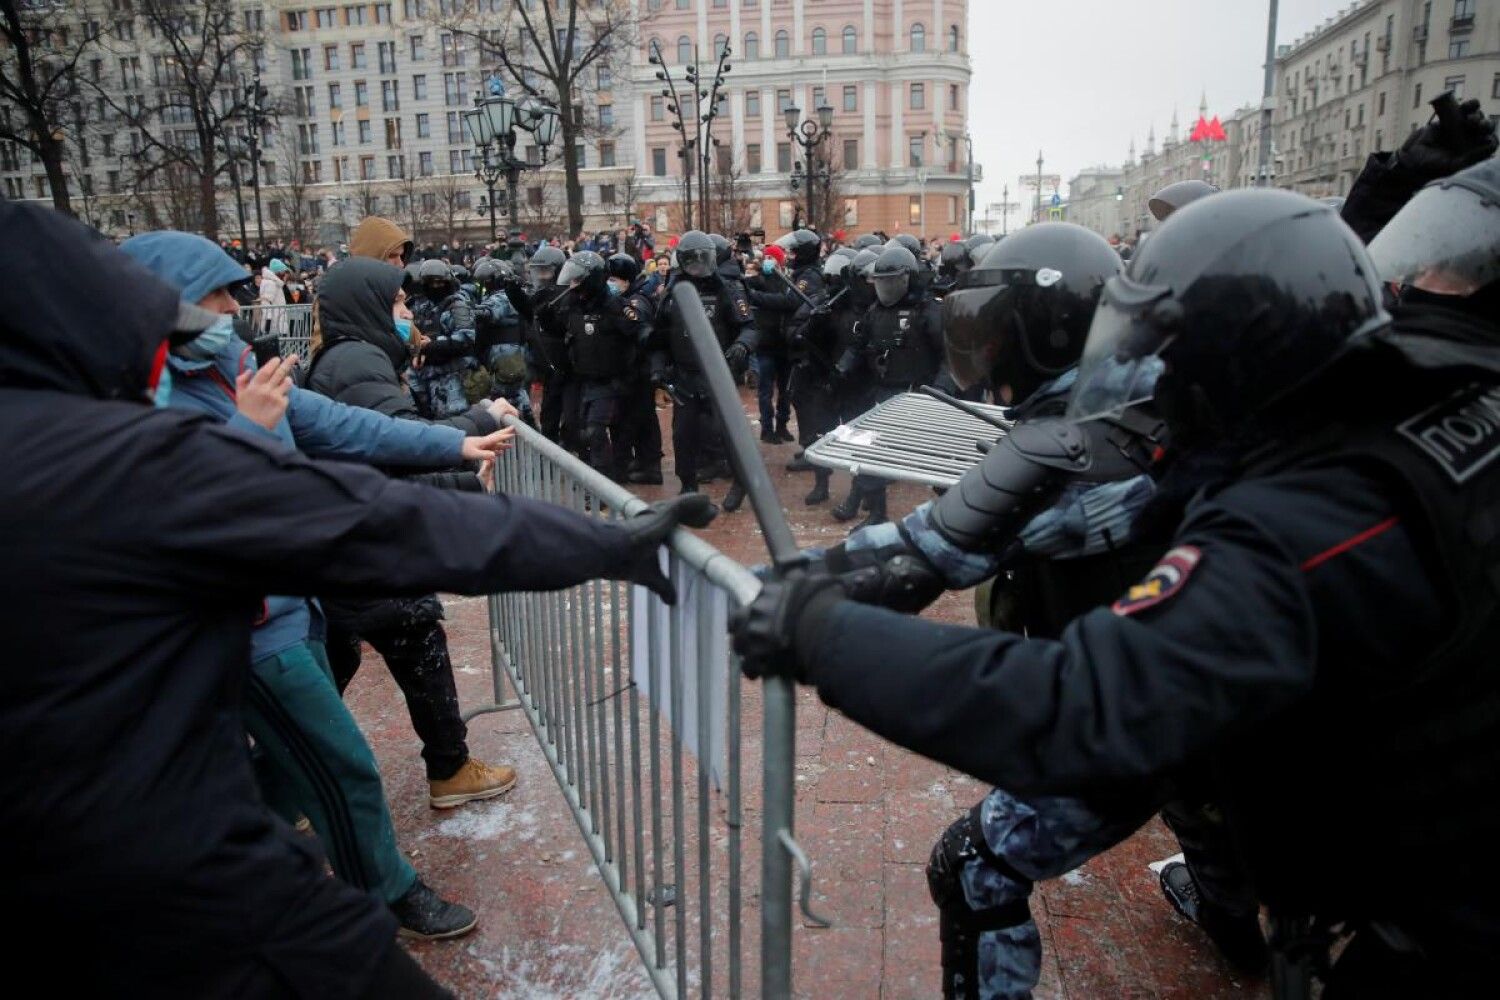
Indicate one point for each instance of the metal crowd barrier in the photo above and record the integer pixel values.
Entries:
(620, 691)
(292, 323)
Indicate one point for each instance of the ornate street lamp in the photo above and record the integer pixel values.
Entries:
(810, 135)
(492, 125)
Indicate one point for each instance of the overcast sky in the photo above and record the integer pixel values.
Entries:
(1079, 80)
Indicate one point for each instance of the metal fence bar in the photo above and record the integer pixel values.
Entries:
(576, 686)
(293, 324)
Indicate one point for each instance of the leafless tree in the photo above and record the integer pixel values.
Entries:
(542, 212)
(289, 194)
(730, 204)
(451, 191)
(830, 192)
(628, 193)
(556, 52)
(197, 94)
(410, 190)
(43, 44)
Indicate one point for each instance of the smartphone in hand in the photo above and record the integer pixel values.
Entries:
(266, 349)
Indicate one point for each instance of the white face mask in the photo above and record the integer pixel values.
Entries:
(210, 342)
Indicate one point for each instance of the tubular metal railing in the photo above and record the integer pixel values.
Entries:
(638, 709)
(292, 323)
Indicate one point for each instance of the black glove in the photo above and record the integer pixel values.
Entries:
(661, 379)
(766, 631)
(1459, 138)
(738, 357)
(647, 531)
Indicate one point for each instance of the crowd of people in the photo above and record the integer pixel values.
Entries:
(1278, 417)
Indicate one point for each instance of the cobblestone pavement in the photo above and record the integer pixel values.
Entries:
(867, 813)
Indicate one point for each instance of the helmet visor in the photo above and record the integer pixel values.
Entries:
(1445, 241)
(1120, 360)
(697, 263)
(541, 274)
(972, 334)
(891, 288)
(572, 272)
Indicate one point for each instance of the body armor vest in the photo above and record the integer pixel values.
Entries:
(596, 344)
(898, 347)
(714, 303)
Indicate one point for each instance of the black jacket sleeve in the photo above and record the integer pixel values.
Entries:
(1380, 191)
(359, 374)
(229, 508)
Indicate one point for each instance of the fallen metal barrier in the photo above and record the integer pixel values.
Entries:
(911, 437)
(638, 709)
(292, 323)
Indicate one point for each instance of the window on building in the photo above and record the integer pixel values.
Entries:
(752, 104)
(330, 57)
(953, 38)
(361, 94)
(914, 150)
(335, 96)
(914, 210)
(387, 55)
(382, 13)
(752, 45)
(338, 135)
(1458, 48)
(752, 158)
(606, 154)
(1495, 86)
(419, 87)
(721, 42)
(1380, 104)
(607, 194)
(356, 55)
(424, 126)
(918, 38)
(819, 98)
(607, 115)
(659, 161)
(684, 50)
(1416, 96)
(1463, 9)
(658, 109)
(395, 167)
(367, 169)
(783, 44)
(851, 40)
(786, 213)
(851, 154)
(424, 167)
(917, 99)
(783, 99)
(455, 128)
(953, 97)
(1455, 84)
(323, 17)
(819, 42)
(783, 157)
(390, 97)
(365, 132)
(851, 97)
(296, 20)
(355, 15)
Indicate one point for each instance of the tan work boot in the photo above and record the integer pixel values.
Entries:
(474, 780)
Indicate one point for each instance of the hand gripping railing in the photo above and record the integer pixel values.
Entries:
(599, 671)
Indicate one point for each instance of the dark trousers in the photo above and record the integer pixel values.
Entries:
(600, 428)
(693, 428)
(639, 443)
(560, 410)
(772, 370)
(417, 657)
(817, 404)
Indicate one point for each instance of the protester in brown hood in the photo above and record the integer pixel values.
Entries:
(381, 239)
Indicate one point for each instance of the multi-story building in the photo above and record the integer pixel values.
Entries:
(1356, 85)
(895, 72)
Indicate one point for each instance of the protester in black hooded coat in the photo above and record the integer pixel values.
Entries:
(138, 544)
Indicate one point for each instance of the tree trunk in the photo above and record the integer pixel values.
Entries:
(571, 184)
(51, 153)
(208, 198)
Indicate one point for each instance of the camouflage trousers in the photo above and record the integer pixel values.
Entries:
(439, 389)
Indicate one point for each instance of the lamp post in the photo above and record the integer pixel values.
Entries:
(234, 148)
(255, 115)
(810, 134)
(696, 149)
(492, 125)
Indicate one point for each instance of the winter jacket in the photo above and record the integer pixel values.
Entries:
(138, 542)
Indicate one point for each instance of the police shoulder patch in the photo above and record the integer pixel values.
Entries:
(802, 284)
(1460, 434)
(744, 308)
(1166, 578)
(631, 314)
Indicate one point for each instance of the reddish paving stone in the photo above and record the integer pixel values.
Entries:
(548, 928)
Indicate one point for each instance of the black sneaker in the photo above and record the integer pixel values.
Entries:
(1237, 936)
(734, 498)
(425, 915)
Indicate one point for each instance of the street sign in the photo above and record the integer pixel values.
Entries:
(1053, 181)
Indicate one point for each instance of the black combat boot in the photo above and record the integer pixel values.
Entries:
(735, 497)
(875, 505)
(848, 508)
(783, 436)
(819, 493)
(424, 914)
(799, 463)
(1237, 935)
(768, 435)
(645, 475)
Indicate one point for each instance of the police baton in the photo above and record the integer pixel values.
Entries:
(778, 847)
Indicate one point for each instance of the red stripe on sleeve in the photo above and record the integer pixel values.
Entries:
(1349, 543)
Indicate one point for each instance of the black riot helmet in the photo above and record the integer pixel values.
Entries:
(908, 241)
(492, 273)
(892, 274)
(696, 254)
(587, 271)
(954, 260)
(412, 279)
(1238, 301)
(722, 248)
(1021, 316)
(1174, 196)
(437, 277)
(804, 248)
(857, 278)
(544, 264)
(1445, 243)
(460, 274)
(622, 265)
(978, 241)
(834, 270)
(867, 241)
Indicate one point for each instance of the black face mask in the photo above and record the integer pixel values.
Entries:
(1483, 305)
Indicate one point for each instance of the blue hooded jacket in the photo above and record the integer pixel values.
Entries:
(314, 424)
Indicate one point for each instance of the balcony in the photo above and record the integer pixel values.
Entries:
(1461, 24)
(1419, 33)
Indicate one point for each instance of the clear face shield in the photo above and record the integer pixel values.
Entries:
(541, 275)
(697, 263)
(1445, 241)
(1121, 359)
(891, 288)
(571, 273)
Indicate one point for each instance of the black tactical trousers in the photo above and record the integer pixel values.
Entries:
(694, 429)
(638, 445)
(560, 410)
(417, 657)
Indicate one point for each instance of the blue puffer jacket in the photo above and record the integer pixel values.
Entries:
(314, 424)
(321, 428)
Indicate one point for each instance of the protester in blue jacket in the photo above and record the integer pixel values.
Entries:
(313, 760)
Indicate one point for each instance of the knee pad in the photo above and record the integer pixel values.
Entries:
(963, 842)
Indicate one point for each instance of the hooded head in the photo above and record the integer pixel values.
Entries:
(278, 266)
(380, 239)
(195, 266)
(72, 332)
(354, 303)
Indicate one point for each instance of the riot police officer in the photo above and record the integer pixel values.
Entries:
(779, 301)
(900, 341)
(638, 449)
(603, 338)
(820, 336)
(548, 341)
(954, 261)
(1318, 635)
(501, 340)
(674, 365)
(447, 319)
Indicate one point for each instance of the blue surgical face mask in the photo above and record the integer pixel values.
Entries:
(614, 289)
(210, 342)
(768, 266)
(403, 330)
(163, 394)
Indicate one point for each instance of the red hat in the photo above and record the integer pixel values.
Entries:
(840, 235)
(776, 253)
(672, 243)
(953, 238)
